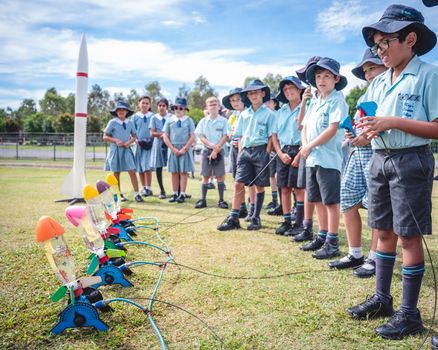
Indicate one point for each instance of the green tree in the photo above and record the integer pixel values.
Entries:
(70, 103)
(183, 91)
(201, 91)
(27, 108)
(52, 103)
(132, 99)
(64, 123)
(93, 124)
(98, 103)
(353, 97)
(153, 90)
(196, 114)
(38, 122)
(273, 81)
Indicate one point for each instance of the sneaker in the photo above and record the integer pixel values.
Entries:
(162, 195)
(211, 186)
(371, 308)
(138, 198)
(143, 192)
(401, 325)
(181, 198)
(230, 223)
(312, 246)
(281, 230)
(367, 270)
(346, 262)
(243, 213)
(173, 198)
(249, 217)
(295, 230)
(255, 224)
(223, 205)
(306, 234)
(327, 251)
(188, 196)
(148, 192)
(271, 205)
(277, 211)
(202, 203)
(122, 198)
(434, 340)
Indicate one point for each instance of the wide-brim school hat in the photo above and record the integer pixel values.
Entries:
(253, 85)
(332, 66)
(291, 79)
(122, 105)
(226, 99)
(398, 17)
(301, 73)
(368, 56)
(180, 102)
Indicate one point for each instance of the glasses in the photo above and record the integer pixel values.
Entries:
(178, 108)
(383, 45)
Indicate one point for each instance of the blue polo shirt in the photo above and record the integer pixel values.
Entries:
(318, 118)
(212, 129)
(286, 126)
(179, 129)
(255, 128)
(414, 95)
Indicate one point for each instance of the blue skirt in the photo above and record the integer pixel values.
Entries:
(143, 159)
(120, 159)
(158, 154)
(181, 164)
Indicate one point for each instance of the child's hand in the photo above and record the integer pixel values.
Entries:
(213, 155)
(360, 141)
(307, 95)
(285, 158)
(375, 125)
(305, 151)
(349, 135)
(296, 162)
(119, 143)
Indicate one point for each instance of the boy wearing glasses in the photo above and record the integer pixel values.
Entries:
(254, 129)
(212, 131)
(402, 166)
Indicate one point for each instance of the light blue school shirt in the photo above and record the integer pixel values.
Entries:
(321, 114)
(414, 95)
(255, 128)
(212, 129)
(141, 122)
(179, 130)
(115, 129)
(157, 121)
(286, 126)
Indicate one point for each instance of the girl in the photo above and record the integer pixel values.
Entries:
(120, 132)
(144, 143)
(179, 136)
(158, 158)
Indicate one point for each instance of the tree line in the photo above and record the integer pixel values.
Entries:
(56, 113)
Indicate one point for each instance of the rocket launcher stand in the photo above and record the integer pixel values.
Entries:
(347, 124)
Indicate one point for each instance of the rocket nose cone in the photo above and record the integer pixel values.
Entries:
(102, 186)
(83, 56)
(75, 213)
(48, 228)
(111, 179)
(89, 192)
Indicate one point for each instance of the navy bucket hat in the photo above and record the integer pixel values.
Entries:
(255, 84)
(368, 56)
(398, 17)
(332, 66)
(226, 99)
(301, 73)
(180, 102)
(122, 105)
(291, 79)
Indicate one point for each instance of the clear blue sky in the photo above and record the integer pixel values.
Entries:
(131, 43)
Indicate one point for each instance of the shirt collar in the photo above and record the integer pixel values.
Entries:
(118, 121)
(174, 118)
(411, 68)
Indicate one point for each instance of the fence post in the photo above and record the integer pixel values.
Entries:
(94, 152)
(16, 150)
(54, 151)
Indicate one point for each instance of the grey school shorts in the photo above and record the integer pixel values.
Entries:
(273, 164)
(287, 175)
(323, 185)
(400, 181)
(207, 169)
(252, 166)
(301, 181)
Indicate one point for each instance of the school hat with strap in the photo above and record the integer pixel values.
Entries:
(226, 99)
(367, 57)
(301, 73)
(253, 85)
(291, 79)
(332, 66)
(122, 105)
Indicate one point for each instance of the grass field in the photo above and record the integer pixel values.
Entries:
(303, 310)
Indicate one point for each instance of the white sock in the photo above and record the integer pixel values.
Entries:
(355, 252)
(372, 255)
(183, 193)
(175, 193)
(148, 187)
(135, 194)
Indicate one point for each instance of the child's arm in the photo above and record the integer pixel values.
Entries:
(325, 136)
(132, 140)
(307, 95)
(166, 140)
(154, 133)
(188, 144)
(109, 138)
(285, 158)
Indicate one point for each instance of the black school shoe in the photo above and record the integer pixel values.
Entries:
(434, 340)
(243, 213)
(347, 263)
(271, 205)
(368, 272)
(277, 211)
(327, 251)
(138, 198)
(202, 203)
(306, 234)
(230, 223)
(181, 198)
(371, 308)
(255, 224)
(285, 226)
(312, 246)
(401, 325)
(122, 198)
(222, 205)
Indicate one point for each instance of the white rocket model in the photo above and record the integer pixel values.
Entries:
(75, 180)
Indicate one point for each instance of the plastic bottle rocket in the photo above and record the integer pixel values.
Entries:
(114, 187)
(97, 211)
(107, 198)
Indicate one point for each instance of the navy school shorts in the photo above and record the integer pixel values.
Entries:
(252, 166)
(287, 176)
(323, 185)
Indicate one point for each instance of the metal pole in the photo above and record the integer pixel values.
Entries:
(54, 151)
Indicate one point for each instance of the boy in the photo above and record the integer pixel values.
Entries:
(255, 129)
(322, 140)
(354, 185)
(212, 131)
(402, 165)
(286, 139)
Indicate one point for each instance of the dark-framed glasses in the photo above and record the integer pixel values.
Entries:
(383, 45)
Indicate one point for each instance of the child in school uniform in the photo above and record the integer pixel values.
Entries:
(179, 136)
(121, 134)
(322, 140)
(212, 131)
(402, 165)
(141, 121)
(159, 148)
(254, 129)
(286, 138)
(354, 184)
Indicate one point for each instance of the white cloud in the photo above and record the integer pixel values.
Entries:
(345, 17)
